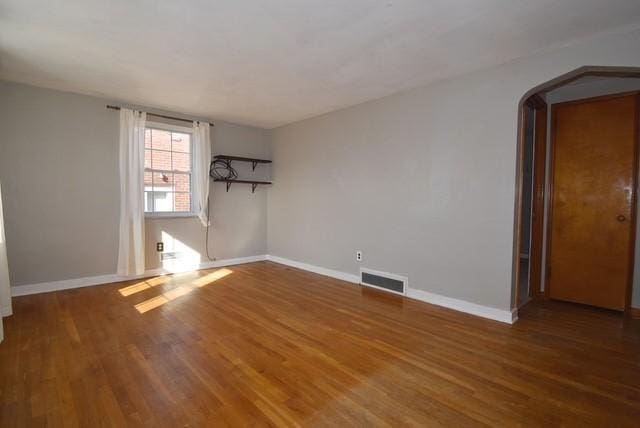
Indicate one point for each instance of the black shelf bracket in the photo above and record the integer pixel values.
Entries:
(254, 184)
(254, 164)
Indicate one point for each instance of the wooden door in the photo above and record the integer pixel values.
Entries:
(593, 197)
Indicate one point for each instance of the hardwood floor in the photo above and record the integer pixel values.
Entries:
(263, 344)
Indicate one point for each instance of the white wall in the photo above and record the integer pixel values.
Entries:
(59, 170)
(422, 182)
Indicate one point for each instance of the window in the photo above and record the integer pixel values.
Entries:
(167, 171)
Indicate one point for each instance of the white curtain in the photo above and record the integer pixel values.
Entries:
(201, 161)
(5, 290)
(131, 250)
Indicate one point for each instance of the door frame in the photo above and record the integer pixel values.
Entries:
(634, 194)
(539, 202)
(536, 103)
(543, 88)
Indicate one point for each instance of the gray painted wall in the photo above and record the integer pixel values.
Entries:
(589, 89)
(239, 218)
(59, 170)
(422, 181)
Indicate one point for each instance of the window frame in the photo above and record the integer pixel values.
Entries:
(183, 130)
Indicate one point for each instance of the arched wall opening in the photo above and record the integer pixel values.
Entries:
(531, 210)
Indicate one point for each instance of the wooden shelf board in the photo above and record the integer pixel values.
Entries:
(241, 159)
(242, 181)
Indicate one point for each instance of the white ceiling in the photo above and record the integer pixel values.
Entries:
(271, 62)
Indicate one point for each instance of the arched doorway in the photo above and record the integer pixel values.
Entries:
(533, 179)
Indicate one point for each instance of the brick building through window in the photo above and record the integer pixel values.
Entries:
(167, 174)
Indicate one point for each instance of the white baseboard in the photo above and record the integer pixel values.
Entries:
(501, 315)
(316, 269)
(6, 310)
(508, 317)
(65, 284)
(45, 287)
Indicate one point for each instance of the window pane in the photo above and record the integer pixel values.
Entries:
(165, 152)
(147, 158)
(182, 202)
(163, 201)
(148, 202)
(163, 181)
(181, 162)
(161, 160)
(147, 180)
(160, 140)
(147, 138)
(182, 182)
(181, 142)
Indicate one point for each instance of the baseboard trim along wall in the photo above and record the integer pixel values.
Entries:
(316, 269)
(508, 317)
(6, 311)
(45, 287)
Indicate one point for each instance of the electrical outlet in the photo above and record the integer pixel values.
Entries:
(358, 256)
(159, 247)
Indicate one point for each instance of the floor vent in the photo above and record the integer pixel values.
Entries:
(384, 281)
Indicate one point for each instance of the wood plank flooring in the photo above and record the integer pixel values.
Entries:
(266, 345)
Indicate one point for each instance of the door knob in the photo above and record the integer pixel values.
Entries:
(621, 218)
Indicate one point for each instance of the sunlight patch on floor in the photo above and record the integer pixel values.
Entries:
(174, 293)
(212, 277)
(144, 285)
(152, 303)
(133, 289)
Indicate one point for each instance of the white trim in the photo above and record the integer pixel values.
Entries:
(501, 315)
(171, 189)
(45, 287)
(404, 279)
(6, 311)
(169, 214)
(504, 316)
(315, 269)
(169, 127)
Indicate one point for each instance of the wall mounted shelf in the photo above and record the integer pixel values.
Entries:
(253, 183)
(254, 162)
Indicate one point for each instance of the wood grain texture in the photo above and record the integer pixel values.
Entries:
(593, 212)
(267, 345)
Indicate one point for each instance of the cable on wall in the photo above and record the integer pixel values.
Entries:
(221, 169)
(218, 169)
(206, 233)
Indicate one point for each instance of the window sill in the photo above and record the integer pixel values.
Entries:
(169, 215)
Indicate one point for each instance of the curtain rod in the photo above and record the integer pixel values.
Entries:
(162, 116)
